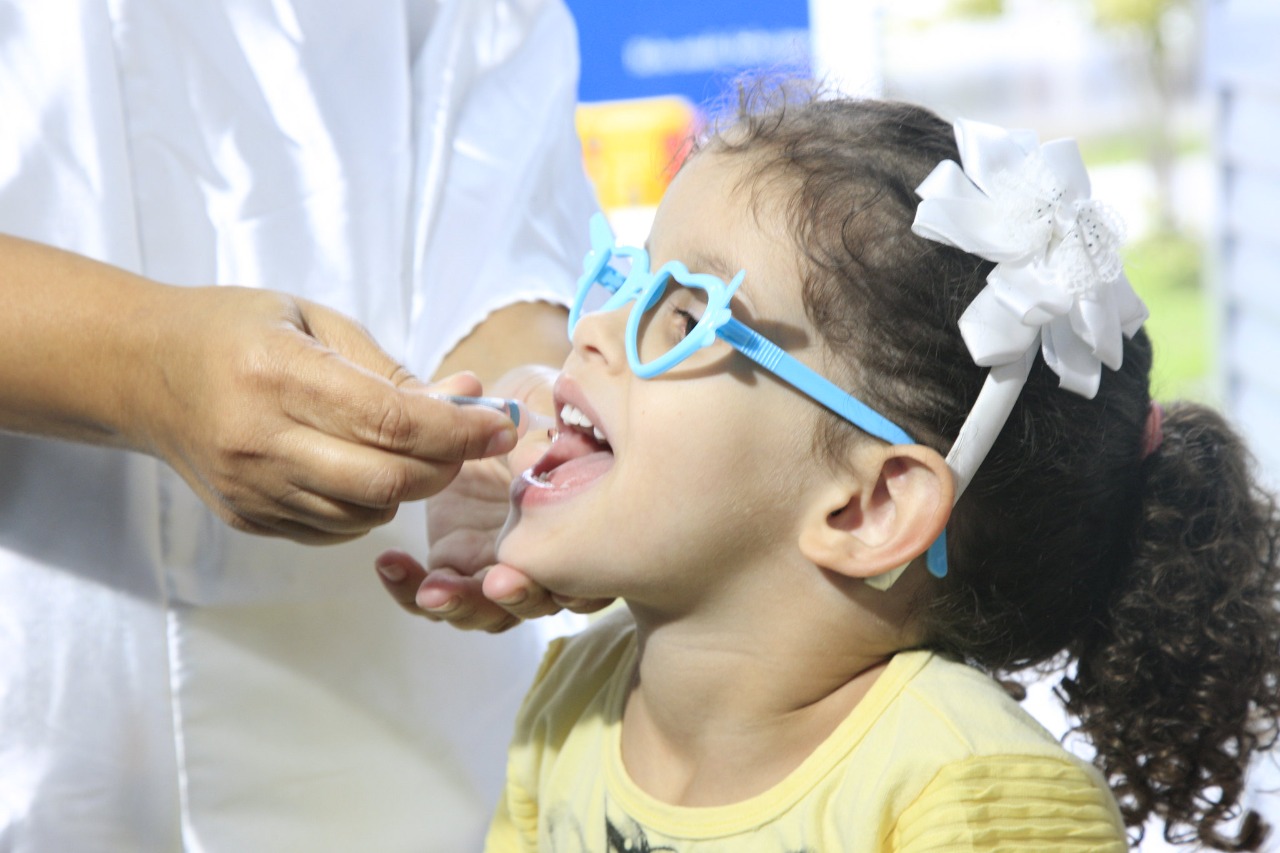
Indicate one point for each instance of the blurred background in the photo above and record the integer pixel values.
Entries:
(1175, 104)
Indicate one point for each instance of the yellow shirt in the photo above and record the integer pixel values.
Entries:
(936, 757)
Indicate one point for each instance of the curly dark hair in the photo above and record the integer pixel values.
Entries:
(1153, 578)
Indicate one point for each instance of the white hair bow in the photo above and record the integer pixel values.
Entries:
(1058, 286)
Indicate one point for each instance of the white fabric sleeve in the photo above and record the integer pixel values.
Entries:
(501, 200)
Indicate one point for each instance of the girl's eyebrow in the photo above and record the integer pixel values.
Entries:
(714, 264)
(704, 263)
(718, 266)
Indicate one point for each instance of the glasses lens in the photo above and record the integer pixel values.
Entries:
(606, 284)
(673, 311)
(596, 296)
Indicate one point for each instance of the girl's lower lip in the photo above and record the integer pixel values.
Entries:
(569, 479)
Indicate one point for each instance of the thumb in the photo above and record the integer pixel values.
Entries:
(375, 400)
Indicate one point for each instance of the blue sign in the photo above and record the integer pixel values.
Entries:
(694, 48)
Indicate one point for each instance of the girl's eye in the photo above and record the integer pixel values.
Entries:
(670, 319)
(686, 305)
(689, 321)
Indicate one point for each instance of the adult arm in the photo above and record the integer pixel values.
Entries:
(285, 417)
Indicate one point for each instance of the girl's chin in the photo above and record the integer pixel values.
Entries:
(526, 558)
(554, 574)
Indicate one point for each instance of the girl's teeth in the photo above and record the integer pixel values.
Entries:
(573, 416)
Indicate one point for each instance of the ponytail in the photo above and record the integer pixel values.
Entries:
(1178, 684)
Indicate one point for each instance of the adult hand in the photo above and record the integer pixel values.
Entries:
(462, 582)
(285, 417)
(288, 419)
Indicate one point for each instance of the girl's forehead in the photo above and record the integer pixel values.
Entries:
(712, 221)
(711, 213)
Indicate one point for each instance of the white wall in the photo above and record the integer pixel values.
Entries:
(1243, 72)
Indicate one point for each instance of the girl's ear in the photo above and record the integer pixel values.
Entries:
(883, 513)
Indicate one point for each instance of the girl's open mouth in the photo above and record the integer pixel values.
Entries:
(579, 455)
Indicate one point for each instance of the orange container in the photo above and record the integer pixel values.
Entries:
(632, 148)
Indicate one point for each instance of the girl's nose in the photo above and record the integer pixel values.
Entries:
(600, 336)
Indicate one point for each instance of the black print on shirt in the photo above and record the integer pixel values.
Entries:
(633, 840)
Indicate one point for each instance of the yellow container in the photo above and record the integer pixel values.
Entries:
(633, 148)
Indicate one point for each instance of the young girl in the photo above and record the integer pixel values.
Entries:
(949, 468)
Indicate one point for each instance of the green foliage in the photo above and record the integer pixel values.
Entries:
(1167, 272)
(1132, 144)
(1141, 13)
(975, 8)
(1144, 15)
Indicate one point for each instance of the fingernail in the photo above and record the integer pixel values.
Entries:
(517, 597)
(431, 601)
(391, 571)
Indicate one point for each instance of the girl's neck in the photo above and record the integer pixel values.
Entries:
(722, 710)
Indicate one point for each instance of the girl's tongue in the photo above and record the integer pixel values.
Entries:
(574, 458)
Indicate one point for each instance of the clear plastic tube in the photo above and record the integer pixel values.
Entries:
(521, 415)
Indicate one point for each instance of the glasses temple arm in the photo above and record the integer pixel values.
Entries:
(778, 362)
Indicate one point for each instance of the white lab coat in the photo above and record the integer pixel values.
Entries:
(166, 683)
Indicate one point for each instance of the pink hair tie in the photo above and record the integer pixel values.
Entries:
(1153, 432)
